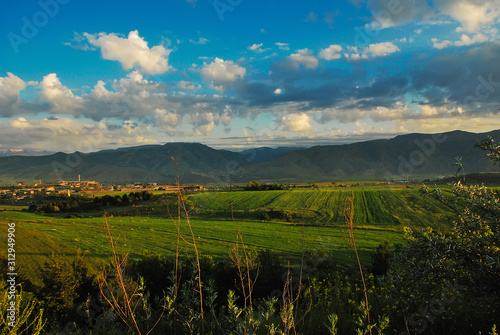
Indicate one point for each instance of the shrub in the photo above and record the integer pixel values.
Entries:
(66, 285)
(28, 314)
(450, 280)
(381, 258)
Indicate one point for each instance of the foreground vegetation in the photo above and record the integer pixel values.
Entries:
(317, 261)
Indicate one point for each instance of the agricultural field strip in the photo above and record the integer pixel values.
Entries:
(239, 201)
(214, 238)
(34, 246)
(380, 214)
(372, 206)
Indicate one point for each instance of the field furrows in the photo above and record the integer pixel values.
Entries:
(371, 206)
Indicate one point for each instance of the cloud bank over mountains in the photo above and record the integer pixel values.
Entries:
(398, 78)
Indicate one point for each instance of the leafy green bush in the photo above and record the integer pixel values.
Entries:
(66, 287)
(381, 258)
(451, 280)
(27, 312)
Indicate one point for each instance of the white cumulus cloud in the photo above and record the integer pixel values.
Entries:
(188, 86)
(60, 97)
(442, 44)
(10, 87)
(476, 39)
(20, 123)
(380, 49)
(132, 52)
(282, 46)
(297, 122)
(255, 46)
(465, 40)
(221, 71)
(303, 57)
(372, 50)
(332, 52)
(472, 14)
(203, 123)
(166, 119)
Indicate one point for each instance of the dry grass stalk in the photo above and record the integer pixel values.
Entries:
(349, 219)
(123, 302)
(243, 265)
(181, 207)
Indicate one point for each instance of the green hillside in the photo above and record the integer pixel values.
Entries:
(408, 156)
(314, 220)
(39, 237)
(195, 162)
(375, 206)
(415, 155)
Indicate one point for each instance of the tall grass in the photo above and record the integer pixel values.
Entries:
(349, 219)
(181, 207)
(123, 295)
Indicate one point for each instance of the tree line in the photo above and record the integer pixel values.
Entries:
(256, 186)
(86, 204)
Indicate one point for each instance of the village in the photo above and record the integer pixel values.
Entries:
(21, 191)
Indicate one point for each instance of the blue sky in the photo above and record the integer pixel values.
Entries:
(237, 73)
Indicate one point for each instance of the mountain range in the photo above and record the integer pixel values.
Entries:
(398, 158)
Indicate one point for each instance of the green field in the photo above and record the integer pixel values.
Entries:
(374, 206)
(317, 225)
(38, 237)
(12, 208)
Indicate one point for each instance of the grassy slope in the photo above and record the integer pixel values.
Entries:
(38, 238)
(33, 245)
(380, 213)
(374, 206)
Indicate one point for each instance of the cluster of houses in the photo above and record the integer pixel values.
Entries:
(21, 191)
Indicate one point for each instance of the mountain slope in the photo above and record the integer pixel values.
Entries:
(397, 158)
(412, 155)
(195, 162)
(263, 154)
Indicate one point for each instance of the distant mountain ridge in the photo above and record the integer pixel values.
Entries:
(23, 152)
(404, 156)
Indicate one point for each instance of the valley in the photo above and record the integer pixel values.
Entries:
(288, 223)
